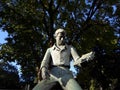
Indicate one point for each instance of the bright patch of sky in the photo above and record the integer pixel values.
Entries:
(17, 66)
(3, 35)
(73, 69)
(114, 8)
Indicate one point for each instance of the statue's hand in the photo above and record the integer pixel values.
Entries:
(45, 73)
(86, 57)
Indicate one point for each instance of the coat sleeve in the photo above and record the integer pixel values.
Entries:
(46, 59)
(75, 56)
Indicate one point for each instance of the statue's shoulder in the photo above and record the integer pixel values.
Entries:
(51, 48)
(69, 46)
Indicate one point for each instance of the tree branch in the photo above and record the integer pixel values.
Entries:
(97, 4)
(58, 5)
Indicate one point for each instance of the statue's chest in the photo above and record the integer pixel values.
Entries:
(60, 55)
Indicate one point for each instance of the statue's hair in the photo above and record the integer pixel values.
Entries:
(58, 31)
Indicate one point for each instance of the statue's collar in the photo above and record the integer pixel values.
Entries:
(55, 47)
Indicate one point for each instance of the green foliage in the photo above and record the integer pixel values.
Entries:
(8, 74)
(31, 23)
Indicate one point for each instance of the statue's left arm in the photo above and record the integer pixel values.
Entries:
(78, 60)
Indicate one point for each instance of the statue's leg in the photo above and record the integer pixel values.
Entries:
(72, 85)
(45, 84)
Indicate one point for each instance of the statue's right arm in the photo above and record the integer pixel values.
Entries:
(45, 64)
(46, 59)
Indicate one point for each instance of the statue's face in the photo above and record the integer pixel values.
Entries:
(60, 38)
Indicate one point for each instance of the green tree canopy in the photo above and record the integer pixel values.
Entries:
(31, 24)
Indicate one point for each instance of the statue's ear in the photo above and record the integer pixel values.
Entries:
(54, 36)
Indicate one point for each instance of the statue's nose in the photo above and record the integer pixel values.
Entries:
(62, 39)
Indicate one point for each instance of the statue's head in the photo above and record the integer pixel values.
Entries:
(60, 36)
(61, 31)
